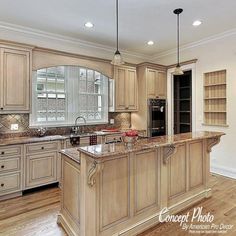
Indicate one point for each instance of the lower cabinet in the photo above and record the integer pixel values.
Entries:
(42, 164)
(11, 170)
(41, 169)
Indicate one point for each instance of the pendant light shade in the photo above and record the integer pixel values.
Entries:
(117, 60)
(178, 70)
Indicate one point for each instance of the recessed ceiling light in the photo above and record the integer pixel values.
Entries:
(150, 42)
(89, 25)
(197, 23)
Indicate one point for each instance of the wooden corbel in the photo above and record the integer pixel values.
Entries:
(168, 151)
(211, 142)
(93, 171)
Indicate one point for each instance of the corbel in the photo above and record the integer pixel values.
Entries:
(168, 151)
(211, 142)
(92, 173)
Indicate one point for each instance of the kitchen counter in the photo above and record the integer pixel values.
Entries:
(111, 189)
(29, 139)
(33, 139)
(103, 151)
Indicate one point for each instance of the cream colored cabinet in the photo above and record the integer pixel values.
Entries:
(152, 83)
(15, 79)
(11, 164)
(41, 164)
(156, 84)
(125, 89)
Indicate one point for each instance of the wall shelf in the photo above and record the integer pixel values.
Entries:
(215, 99)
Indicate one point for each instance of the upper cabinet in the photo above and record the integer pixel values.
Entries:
(15, 79)
(156, 83)
(125, 88)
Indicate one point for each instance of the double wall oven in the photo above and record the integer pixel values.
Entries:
(156, 117)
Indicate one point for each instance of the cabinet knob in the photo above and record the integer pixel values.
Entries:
(1, 108)
(2, 167)
(2, 153)
(42, 148)
(2, 185)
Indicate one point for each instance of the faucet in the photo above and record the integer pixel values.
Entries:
(76, 128)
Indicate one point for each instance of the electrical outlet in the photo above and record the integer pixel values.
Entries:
(14, 127)
(112, 121)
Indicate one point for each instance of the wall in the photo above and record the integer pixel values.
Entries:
(122, 121)
(214, 55)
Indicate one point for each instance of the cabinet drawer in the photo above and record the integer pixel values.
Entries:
(10, 151)
(10, 164)
(41, 169)
(10, 183)
(113, 137)
(41, 147)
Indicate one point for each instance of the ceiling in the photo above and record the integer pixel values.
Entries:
(140, 20)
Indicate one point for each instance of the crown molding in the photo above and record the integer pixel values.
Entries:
(39, 34)
(206, 40)
(103, 51)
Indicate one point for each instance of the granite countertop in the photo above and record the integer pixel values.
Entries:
(73, 153)
(34, 139)
(29, 139)
(103, 151)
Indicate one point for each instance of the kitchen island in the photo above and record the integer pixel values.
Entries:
(111, 189)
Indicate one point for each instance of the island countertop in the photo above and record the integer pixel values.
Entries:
(101, 152)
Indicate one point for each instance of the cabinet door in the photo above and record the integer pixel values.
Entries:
(131, 89)
(151, 83)
(15, 76)
(120, 74)
(161, 84)
(41, 169)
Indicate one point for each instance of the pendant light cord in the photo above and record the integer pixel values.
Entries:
(178, 40)
(117, 38)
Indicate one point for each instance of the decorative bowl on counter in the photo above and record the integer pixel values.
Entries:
(130, 137)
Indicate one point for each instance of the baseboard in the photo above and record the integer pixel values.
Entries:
(225, 171)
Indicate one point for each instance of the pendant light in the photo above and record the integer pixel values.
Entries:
(117, 60)
(178, 70)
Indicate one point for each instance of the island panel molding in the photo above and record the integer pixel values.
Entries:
(135, 183)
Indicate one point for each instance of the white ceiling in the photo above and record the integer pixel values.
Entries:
(140, 20)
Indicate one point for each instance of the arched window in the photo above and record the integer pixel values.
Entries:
(62, 93)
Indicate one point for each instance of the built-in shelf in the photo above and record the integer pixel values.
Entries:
(218, 84)
(215, 98)
(183, 103)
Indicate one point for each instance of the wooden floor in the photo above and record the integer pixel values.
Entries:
(35, 214)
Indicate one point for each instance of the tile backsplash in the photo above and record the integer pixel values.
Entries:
(122, 121)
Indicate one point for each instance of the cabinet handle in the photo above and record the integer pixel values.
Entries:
(2, 167)
(42, 148)
(2, 153)
(1, 108)
(2, 185)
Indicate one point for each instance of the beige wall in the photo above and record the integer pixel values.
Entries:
(215, 55)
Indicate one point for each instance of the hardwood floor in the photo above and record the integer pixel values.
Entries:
(35, 214)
